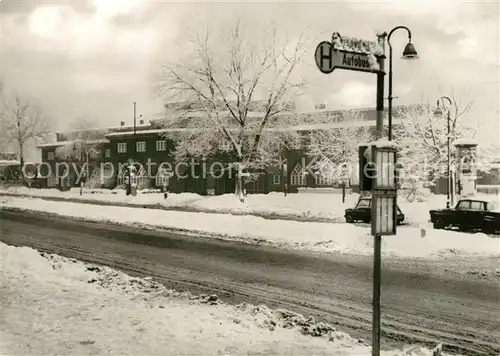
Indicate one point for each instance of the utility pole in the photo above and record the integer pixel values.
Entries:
(129, 185)
(380, 88)
(377, 243)
(439, 112)
(448, 143)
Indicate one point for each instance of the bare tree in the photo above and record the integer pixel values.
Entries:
(234, 90)
(23, 122)
(335, 150)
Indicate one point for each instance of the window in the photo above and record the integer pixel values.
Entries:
(321, 179)
(476, 205)
(464, 205)
(297, 177)
(276, 179)
(50, 156)
(94, 154)
(122, 147)
(364, 203)
(161, 145)
(107, 153)
(225, 144)
(140, 146)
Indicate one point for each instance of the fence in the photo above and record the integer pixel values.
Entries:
(139, 180)
(489, 189)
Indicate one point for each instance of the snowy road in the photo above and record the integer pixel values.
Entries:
(422, 301)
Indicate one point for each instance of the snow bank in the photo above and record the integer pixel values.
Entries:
(54, 305)
(308, 205)
(302, 205)
(106, 195)
(326, 237)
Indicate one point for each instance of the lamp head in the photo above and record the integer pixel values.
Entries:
(438, 111)
(410, 52)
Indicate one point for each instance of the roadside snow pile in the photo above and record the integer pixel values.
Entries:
(108, 196)
(325, 237)
(301, 206)
(55, 305)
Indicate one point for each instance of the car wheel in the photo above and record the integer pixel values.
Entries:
(366, 221)
(349, 219)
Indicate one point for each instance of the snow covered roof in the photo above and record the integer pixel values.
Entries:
(385, 143)
(327, 126)
(64, 143)
(202, 113)
(150, 132)
(465, 142)
(302, 127)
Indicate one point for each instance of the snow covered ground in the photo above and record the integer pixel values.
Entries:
(52, 305)
(324, 237)
(302, 205)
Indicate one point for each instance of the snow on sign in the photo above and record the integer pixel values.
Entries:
(328, 58)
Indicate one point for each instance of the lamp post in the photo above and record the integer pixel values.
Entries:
(129, 185)
(438, 112)
(409, 52)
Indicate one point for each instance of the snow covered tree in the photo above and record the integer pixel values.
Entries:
(423, 137)
(335, 150)
(235, 88)
(22, 122)
(85, 148)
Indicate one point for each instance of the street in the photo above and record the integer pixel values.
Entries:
(422, 302)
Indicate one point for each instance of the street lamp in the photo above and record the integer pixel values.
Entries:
(409, 52)
(439, 112)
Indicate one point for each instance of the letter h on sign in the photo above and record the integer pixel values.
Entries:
(324, 57)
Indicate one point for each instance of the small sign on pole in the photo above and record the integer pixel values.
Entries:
(384, 190)
(384, 206)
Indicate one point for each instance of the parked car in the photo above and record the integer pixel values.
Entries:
(363, 212)
(468, 215)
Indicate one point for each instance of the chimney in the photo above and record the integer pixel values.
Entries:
(122, 123)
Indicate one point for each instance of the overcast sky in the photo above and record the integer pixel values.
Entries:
(95, 58)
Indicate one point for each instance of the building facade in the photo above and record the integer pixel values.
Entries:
(108, 151)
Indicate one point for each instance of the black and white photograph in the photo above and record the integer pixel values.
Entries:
(250, 177)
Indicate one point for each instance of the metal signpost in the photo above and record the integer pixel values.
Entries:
(359, 55)
(327, 59)
(384, 221)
